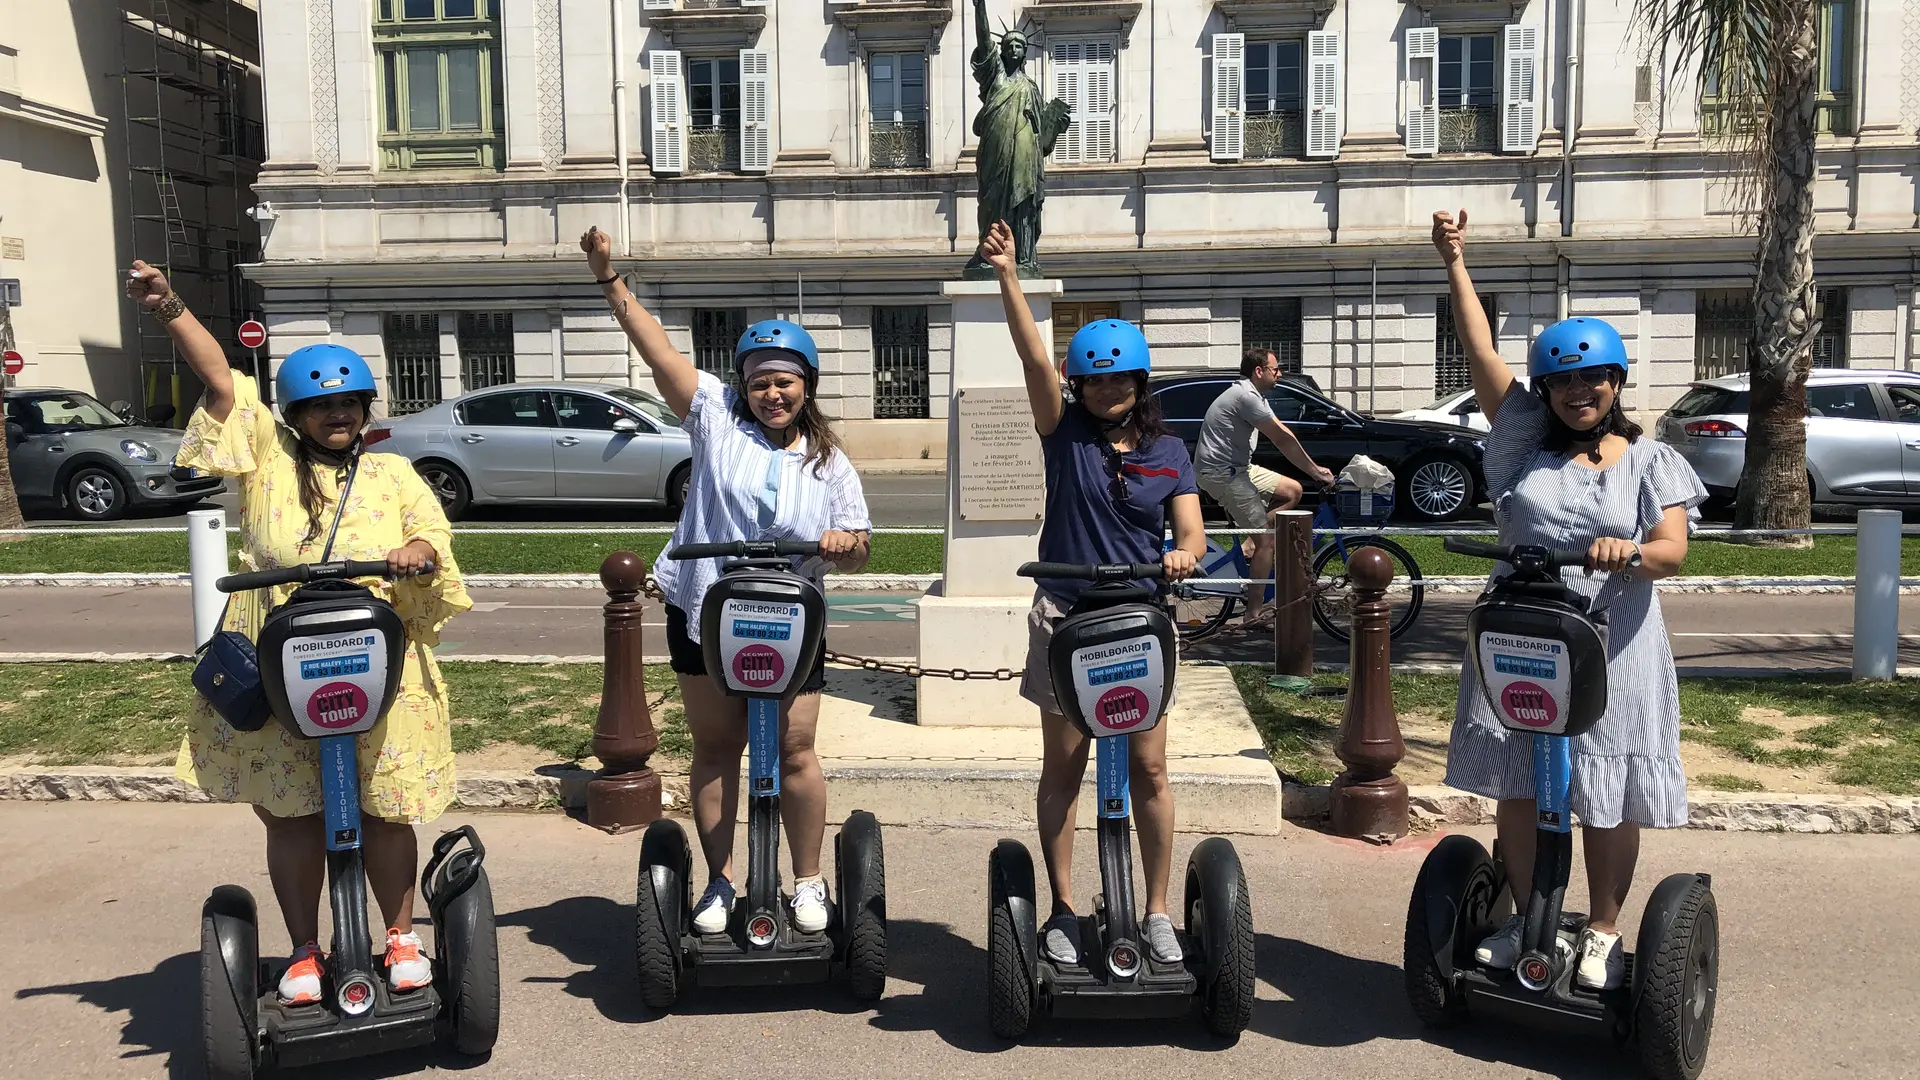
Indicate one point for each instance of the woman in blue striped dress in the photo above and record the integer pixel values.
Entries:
(766, 466)
(1566, 469)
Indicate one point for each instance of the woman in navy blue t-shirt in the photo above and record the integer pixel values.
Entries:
(1115, 478)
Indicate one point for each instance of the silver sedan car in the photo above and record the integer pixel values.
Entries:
(1863, 434)
(544, 443)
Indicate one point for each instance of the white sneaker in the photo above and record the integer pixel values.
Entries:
(406, 968)
(810, 904)
(1061, 938)
(1161, 939)
(301, 983)
(1603, 962)
(715, 906)
(1502, 950)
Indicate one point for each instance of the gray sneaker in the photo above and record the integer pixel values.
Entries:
(1062, 938)
(1162, 939)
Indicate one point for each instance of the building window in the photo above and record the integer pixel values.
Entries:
(1833, 79)
(1082, 75)
(715, 333)
(439, 65)
(713, 117)
(1469, 99)
(1722, 326)
(1452, 371)
(897, 110)
(486, 349)
(413, 363)
(10, 292)
(900, 363)
(1276, 100)
(1830, 344)
(1273, 323)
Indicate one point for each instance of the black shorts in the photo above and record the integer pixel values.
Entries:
(687, 657)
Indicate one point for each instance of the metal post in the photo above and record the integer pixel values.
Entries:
(1292, 598)
(206, 564)
(1368, 800)
(1876, 595)
(625, 793)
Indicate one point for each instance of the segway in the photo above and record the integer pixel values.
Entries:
(761, 628)
(330, 661)
(1113, 659)
(1542, 660)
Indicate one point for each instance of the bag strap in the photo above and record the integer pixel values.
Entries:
(340, 509)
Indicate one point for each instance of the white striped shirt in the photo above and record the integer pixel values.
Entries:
(732, 465)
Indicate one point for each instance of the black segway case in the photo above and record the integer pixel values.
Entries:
(762, 630)
(330, 659)
(1115, 659)
(1541, 658)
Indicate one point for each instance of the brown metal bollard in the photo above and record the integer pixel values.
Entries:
(1292, 598)
(625, 793)
(1368, 800)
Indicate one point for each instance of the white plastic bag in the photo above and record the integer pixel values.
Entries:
(1366, 475)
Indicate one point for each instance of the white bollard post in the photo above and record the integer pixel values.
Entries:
(206, 564)
(1876, 595)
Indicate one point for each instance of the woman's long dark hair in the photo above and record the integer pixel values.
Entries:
(1146, 420)
(309, 459)
(811, 420)
(1560, 438)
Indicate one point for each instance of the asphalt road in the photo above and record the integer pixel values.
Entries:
(100, 903)
(1734, 630)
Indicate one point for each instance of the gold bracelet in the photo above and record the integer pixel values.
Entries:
(170, 309)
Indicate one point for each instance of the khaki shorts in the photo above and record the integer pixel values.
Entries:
(1247, 494)
(1036, 684)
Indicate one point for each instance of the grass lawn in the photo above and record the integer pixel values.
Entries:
(1765, 732)
(64, 714)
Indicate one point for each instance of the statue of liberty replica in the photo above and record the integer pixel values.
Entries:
(1016, 127)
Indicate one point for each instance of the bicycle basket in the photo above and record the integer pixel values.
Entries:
(1362, 507)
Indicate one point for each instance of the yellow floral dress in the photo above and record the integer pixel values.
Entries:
(406, 762)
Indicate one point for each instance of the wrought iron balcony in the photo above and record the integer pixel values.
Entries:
(712, 149)
(1469, 129)
(1281, 133)
(897, 144)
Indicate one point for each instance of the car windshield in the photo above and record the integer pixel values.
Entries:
(70, 412)
(655, 408)
(1709, 401)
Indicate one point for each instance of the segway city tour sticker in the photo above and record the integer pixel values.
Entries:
(1528, 681)
(337, 705)
(1120, 709)
(1528, 704)
(758, 667)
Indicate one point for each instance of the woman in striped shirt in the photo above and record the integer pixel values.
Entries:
(766, 466)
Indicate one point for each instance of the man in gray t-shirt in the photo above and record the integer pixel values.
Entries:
(1223, 462)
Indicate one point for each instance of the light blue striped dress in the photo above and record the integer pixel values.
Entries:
(1627, 768)
(745, 488)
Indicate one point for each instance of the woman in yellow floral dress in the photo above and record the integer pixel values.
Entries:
(289, 478)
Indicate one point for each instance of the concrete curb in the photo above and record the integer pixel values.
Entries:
(1302, 804)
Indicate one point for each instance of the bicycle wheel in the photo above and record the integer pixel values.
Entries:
(1333, 589)
(1201, 612)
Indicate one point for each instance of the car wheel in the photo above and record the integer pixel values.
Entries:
(97, 493)
(679, 482)
(1437, 488)
(448, 486)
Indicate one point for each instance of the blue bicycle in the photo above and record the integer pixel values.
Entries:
(1203, 607)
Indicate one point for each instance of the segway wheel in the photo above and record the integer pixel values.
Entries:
(1009, 986)
(1674, 1014)
(229, 983)
(1457, 900)
(1220, 924)
(860, 862)
(658, 900)
(469, 946)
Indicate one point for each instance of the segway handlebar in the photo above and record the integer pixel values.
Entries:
(746, 549)
(1524, 556)
(305, 572)
(1090, 572)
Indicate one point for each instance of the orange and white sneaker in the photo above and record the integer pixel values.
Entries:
(301, 984)
(406, 968)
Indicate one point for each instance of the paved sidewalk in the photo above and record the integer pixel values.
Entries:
(98, 957)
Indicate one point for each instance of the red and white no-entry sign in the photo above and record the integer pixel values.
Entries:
(252, 334)
(15, 363)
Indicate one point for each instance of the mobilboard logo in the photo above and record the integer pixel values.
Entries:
(1524, 666)
(336, 666)
(1520, 644)
(1112, 673)
(762, 631)
(331, 644)
(1094, 656)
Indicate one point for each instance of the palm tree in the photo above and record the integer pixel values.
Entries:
(9, 503)
(1760, 59)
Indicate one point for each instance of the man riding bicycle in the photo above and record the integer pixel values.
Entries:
(1223, 460)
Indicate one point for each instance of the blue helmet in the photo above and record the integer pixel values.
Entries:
(1571, 344)
(1105, 346)
(781, 336)
(313, 371)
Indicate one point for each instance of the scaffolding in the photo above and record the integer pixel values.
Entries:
(190, 80)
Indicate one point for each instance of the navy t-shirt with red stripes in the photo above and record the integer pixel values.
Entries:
(1085, 523)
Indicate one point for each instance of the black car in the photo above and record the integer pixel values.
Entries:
(1438, 466)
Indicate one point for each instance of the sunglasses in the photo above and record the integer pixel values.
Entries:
(1589, 377)
(1117, 487)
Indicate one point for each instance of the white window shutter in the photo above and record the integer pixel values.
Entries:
(1423, 110)
(657, 5)
(1065, 64)
(1520, 93)
(666, 106)
(756, 113)
(1096, 83)
(1323, 94)
(1228, 136)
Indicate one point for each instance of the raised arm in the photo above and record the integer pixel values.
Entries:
(149, 288)
(673, 373)
(982, 33)
(1036, 359)
(1492, 381)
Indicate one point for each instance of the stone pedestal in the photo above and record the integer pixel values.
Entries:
(976, 618)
